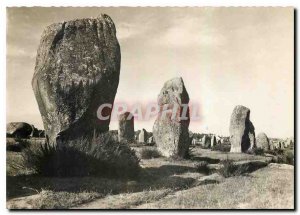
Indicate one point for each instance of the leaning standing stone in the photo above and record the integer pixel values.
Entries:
(126, 128)
(171, 132)
(77, 70)
(242, 135)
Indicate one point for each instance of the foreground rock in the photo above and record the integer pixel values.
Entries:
(77, 70)
(171, 134)
(19, 130)
(242, 135)
(126, 128)
(262, 141)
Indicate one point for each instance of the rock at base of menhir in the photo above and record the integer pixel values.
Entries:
(171, 133)
(19, 130)
(262, 141)
(126, 128)
(143, 136)
(242, 134)
(77, 70)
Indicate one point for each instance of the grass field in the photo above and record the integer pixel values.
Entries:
(162, 183)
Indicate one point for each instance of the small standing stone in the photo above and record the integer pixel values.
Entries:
(143, 136)
(213, 141)
(126, 128)
(262, 141)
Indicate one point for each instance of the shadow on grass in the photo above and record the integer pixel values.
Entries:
(207, 159)
(149, 178)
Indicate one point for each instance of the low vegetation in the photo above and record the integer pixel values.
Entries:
(99, 157)
(283, 156)
(265, 189)
(258, 151)
(202, 167)
(229, 169)
(18, 145)
(160, 180)
(150, 153)
(221, 147)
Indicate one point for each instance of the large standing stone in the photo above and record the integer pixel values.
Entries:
(206, 141)
(19, 129)
(143, 136)
(262, 141)
(77, 70)
(126, 128)
(213, 141)
(171, 134)
(242, 135)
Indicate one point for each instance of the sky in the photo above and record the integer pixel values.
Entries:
(226, 57)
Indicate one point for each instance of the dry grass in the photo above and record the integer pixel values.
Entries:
(163, 183)
(218, 155)
(48, 199)
(149, 153)
(265, 188)
(126, 200)
(67, 192)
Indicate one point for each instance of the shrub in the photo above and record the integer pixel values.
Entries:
(287, 157)
(202, 167)
(229, 169)
(221, 147)
(276, 152)
(149, 153)
(18, 146)
(282, 156)
(258, 151)
(98, 157)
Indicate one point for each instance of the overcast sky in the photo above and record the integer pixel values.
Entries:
(226, 57)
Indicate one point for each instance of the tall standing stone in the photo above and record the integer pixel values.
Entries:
(170, 131)
(242, 135)
(206, 141)
(77, 70)
(126, 128)
(262, 141)
(143, 136)
(213, 141)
